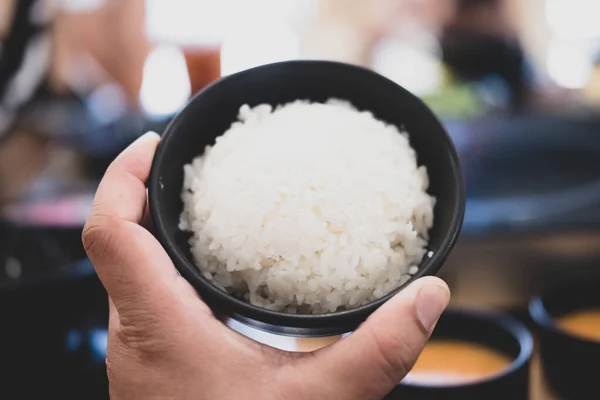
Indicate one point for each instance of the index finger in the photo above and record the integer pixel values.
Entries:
(122, 191)
(131, 264)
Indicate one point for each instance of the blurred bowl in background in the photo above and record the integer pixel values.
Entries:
(568, 319)
(471, 355)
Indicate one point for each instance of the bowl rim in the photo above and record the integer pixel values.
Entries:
(543, 318)
(502, 320)
(343, 318)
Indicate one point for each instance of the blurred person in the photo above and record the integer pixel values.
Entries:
(164, 341)
(24, 61)
(426, 15)
(481, 43)
(55, 47)
(107, 41)
(345, 33)
(350, 33)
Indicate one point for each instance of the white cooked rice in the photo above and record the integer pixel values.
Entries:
(308, 208)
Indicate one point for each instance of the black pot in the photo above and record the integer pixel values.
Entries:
(496, 331)
(212, 112)
(569, 363)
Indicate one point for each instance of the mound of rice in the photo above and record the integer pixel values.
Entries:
(308, 207)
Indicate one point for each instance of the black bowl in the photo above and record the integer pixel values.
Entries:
(211, 113)
(569, 363)
(496, 331)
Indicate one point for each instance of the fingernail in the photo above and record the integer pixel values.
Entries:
(432, 300)
(148, 137)
(151, 134)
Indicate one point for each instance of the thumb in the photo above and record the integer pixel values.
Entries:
(372, 360)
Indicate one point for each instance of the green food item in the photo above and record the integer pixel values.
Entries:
(456, 98)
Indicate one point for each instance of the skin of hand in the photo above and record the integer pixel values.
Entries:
(165, 343)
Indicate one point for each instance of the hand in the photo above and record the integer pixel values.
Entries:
(165, 343)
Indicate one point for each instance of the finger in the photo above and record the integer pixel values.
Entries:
(122, 191)
(373, 359)
(111, 307)
(112, 310)
(129, 261)
(146, 220)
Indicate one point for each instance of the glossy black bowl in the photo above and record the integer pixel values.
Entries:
(212, 112)
(496, 331)
(569, 363)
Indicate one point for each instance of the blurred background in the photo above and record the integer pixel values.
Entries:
(517, 83)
